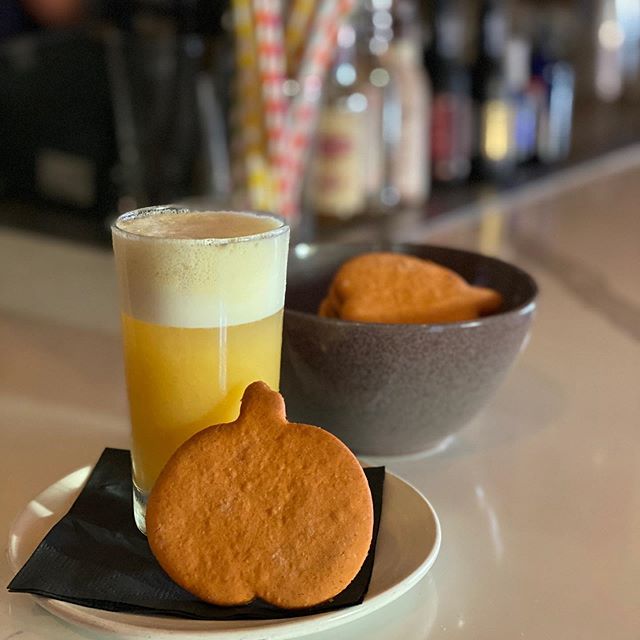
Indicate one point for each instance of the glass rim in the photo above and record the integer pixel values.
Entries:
(282, 228)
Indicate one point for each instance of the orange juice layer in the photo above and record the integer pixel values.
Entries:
(183, 380)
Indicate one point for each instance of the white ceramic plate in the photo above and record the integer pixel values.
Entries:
(408, 544)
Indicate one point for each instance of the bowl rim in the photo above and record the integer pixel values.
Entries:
(525, 308)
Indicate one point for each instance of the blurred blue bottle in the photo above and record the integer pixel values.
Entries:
(555, 121)
(527, 102)
(452, 108)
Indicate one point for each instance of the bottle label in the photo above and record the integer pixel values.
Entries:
(443, 126)
(497, 127)
(451, 136)
(337, 181)
(66, 177)
(526, 123)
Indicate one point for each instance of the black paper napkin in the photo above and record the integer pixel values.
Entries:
(96, 557)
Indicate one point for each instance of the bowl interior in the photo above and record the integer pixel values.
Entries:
(312, 267)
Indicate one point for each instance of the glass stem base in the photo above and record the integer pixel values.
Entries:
(140, 508)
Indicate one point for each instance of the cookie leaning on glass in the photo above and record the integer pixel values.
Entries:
(394, 288)
(261, 507)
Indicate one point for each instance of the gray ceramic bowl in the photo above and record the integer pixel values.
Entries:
(395, 389)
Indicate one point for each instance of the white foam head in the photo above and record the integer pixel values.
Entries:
(200, 269)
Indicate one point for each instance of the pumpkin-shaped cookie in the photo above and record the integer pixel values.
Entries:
(396, 288)
(261, 507)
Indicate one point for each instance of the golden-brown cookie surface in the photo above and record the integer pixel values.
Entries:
(261, 507)
(396, 288)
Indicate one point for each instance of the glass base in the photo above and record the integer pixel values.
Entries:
(140, 509)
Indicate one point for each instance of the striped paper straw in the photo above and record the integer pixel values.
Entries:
(297, 31)
(303, 112)
(247, 112)
(272, 66)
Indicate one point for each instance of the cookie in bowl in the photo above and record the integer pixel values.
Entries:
(396, 288)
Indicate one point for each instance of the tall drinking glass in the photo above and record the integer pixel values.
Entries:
(202, 295)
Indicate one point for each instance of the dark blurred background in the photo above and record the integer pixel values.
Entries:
(107, 105)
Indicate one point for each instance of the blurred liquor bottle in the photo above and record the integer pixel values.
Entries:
(629, 21)
(337, 183)
(452, 109)
(374, 27)
(495, 114)
(383, 109)
(609, 70)
(410, 161)
(616, 36)
(527, 96)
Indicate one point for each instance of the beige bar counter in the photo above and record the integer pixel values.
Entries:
(539, 497)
